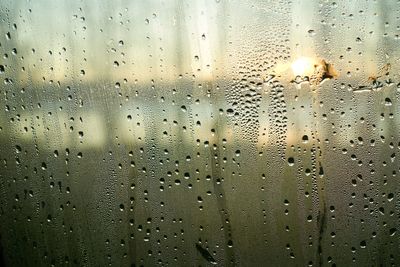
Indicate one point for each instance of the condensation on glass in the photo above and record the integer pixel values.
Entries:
(198, 133)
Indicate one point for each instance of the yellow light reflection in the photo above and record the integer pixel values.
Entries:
(303, 67)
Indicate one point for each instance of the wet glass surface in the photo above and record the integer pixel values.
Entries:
(199, 133)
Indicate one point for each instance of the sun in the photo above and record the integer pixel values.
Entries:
(303, 67)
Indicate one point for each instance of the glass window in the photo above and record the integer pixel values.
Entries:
(197, 133)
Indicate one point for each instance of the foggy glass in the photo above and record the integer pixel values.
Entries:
(199, 133)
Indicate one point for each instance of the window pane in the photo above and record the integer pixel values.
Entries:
(193, 133)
